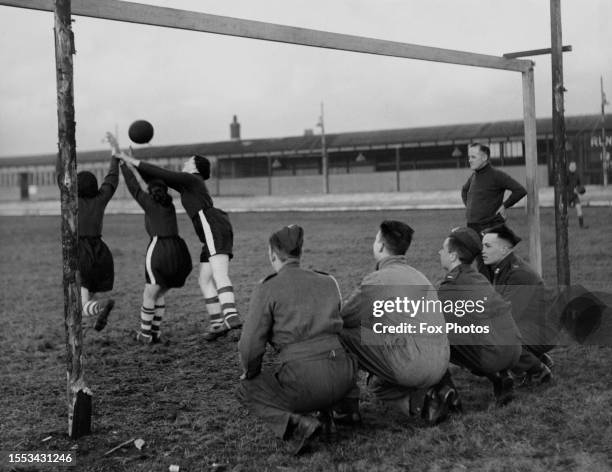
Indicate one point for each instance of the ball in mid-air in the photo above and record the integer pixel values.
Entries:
(141, 131)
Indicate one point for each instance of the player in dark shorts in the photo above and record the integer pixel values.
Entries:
(167, 263)
(214, 229)
(95, 259)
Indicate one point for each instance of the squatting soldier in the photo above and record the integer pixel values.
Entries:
(486, 353)
(297, 311)
(403, 367)
(519, 284)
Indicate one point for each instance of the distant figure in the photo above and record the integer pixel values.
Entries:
(297, 312)
(574, 190)
(96, 264)
(214, 229)
(483, 193)
(167, 263)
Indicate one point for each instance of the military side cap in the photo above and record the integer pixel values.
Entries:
(289, 239)
(468, 238)
(505, 233)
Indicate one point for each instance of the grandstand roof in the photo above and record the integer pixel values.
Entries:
(360, 140)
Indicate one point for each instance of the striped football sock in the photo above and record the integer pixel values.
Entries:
(213, 307)
(228, 306)
(146, 320)
(160, 310)
(92, 308)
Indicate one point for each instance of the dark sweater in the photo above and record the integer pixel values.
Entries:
(483, 193)
(91, 210)
(160, 220)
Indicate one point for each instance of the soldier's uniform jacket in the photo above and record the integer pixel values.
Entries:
(465, 283)
(295, 307)
(519, 284)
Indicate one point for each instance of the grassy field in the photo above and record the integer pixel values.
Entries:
(180, 397)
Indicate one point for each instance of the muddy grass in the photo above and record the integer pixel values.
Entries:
(179, 397)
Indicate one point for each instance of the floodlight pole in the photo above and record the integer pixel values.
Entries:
(79, 395)
(559, 155)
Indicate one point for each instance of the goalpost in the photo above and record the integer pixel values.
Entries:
(79, 397)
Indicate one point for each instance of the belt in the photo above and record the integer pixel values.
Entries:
(311, 348)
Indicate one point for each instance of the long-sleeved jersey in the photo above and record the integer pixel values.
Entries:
(160, 220)
(483, 193)
(91, 210)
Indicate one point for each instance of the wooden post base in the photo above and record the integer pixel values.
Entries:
(80, 422)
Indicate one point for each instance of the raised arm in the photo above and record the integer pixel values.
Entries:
(109, 185)
(176, 180)
(143, 198)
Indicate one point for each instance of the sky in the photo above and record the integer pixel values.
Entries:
(190, 84)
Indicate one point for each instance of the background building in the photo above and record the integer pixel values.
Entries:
(411, 159)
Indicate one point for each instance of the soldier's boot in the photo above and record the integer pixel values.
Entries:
(547, 361)
(304, 430)
(329, 429)
(503, 387)
(540, 375)
(346, 412)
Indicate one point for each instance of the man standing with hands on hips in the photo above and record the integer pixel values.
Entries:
(483, 194)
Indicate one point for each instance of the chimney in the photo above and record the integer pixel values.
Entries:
(235, 130)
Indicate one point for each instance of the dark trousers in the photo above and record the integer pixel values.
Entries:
(485, 360)
(298, 386)
(396, 371)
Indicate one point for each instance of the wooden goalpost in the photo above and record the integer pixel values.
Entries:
(79, 397)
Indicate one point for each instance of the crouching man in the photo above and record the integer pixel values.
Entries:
(297, 311)
(519, 284)
(402, 366)
(482, 333)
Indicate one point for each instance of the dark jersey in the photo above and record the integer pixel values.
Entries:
(91, 210)
(160, 220)
(194, 194)
(483, 193)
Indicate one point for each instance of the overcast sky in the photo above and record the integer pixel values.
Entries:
(189, 84)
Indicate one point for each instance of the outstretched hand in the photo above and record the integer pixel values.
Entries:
(117, 152)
